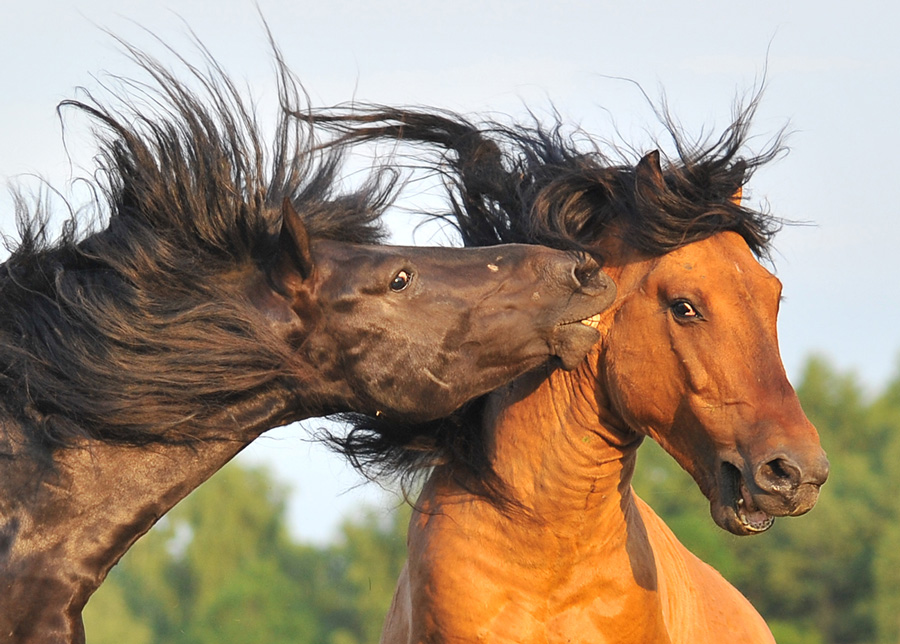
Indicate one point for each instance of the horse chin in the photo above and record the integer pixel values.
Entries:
(734, 508)
(573, 341)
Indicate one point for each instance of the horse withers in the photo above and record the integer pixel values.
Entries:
(137, 360)
(558, 548)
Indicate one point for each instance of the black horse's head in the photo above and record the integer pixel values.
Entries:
(416, 332)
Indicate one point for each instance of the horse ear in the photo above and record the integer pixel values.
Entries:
(648, 172)
(293, 243)
(739, 171)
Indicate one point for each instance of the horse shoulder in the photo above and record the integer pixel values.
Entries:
(698, 604)
(398, 622)
(468, 577)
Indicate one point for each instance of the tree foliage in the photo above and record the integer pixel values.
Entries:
(222, 568)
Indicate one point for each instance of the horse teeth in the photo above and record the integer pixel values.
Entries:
(593, 321)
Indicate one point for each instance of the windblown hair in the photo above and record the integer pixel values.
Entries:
(137, 333)
(538, 185)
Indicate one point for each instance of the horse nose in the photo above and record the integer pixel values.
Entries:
(783, 474)
(589, 278)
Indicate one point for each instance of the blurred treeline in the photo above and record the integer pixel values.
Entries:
(221, 567)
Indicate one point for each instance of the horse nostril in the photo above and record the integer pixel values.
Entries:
(584, 273)
(779, 474)
(588, 276)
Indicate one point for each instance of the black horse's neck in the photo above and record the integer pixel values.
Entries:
(63, 528)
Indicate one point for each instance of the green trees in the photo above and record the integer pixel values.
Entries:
(221, 567)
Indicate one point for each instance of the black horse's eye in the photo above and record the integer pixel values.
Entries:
(684, 310)
(401, 281)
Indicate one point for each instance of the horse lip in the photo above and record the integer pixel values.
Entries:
(588, 312)
(591, 300)
(572, 342)
(576, 334)
(593, 321)
(740, 513)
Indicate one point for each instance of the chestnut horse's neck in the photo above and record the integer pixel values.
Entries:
(578, 453)
(574, 532)
(65, 527)
(577, 533)
(578, 557)
(587, 451)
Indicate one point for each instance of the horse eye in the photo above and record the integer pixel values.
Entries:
(684, 310)
(401, 281)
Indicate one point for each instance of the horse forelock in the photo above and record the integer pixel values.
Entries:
(191, 195)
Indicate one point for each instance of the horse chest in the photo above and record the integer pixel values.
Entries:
(527, 587)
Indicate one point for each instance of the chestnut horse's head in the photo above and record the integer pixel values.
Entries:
(691, 359)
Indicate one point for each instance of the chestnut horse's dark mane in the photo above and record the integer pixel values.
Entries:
(192, 198)
(538, 185)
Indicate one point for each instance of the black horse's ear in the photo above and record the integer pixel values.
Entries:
(293, 243)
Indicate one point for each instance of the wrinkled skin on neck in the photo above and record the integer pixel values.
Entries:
(689, 358)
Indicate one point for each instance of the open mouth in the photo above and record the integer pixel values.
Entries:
(737, 496)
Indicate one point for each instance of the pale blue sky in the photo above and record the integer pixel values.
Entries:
(833, 73)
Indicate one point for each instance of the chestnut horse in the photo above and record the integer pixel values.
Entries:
(558, 548)
(137, 360)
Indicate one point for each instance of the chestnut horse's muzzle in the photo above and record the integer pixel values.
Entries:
(752, 494)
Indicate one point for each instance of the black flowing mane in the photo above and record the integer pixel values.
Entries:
(535, 184)
(191, 195)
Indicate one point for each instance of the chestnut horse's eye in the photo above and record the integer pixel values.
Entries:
(684, 310)
(401, 281)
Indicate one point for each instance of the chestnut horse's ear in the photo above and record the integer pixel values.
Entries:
(294, 255)
(739, 170)
(648, 173)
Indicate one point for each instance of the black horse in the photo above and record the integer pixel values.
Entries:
(138, 359)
